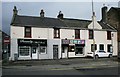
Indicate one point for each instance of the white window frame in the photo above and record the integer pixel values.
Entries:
(45, 50)
(20, 48)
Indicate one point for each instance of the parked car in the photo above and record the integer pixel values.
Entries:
(100, 53)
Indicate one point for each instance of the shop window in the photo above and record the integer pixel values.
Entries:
(56, 33)
(101, 47)
(79, 50)
(108, 35)
(24, 50)
(28, 32)
(91, 34)
(77, 34)
(109, 48)
(43, 50)
(95, 47)
(71, 48)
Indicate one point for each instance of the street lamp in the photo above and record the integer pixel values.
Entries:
(93, 14)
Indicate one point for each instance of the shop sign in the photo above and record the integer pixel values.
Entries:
(32, 41)
(7, 40)
(65, 41)
(73, 41)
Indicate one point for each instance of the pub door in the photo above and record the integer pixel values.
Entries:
(34, 52)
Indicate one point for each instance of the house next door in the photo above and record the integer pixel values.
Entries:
(55, 51)
(34, 52)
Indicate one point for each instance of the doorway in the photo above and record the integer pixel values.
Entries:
(55, 51)
(65, 51)
(34, 52)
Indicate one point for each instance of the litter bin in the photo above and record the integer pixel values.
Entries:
(15, 56)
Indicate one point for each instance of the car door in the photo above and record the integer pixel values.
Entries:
(101, 53)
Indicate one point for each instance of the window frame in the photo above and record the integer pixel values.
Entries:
(55, 33)
(77, 33)
(100, 47)
(45, 52)
(91, 35)
(23, 48)
(109, 37)
(92, 47)
(27, 34)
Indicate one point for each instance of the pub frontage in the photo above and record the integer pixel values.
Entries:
(31, 48)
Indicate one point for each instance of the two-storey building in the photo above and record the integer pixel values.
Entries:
(55, 38)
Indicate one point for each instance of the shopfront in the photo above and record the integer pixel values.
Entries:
(72, 48)
(31, 48)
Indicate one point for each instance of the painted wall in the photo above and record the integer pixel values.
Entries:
(44, 33)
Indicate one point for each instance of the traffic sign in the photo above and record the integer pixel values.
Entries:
(6, 40)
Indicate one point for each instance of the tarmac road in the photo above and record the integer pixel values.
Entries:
(100, 71)
(103, 66)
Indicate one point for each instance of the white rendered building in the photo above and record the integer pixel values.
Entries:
(56, 38)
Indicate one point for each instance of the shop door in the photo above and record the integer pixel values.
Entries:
(34, 53)
(55, 51)
(65, 52)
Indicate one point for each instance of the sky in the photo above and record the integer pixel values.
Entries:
(71, 9)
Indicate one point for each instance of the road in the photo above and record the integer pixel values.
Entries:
(100, 71)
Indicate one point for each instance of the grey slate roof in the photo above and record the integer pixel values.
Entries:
(54, 22)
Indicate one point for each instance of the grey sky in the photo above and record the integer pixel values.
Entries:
(78, 10)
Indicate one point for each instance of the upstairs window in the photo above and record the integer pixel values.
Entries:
(28, 32)
(77, 34)
(108, 35)
(56, 33)
(90, 34)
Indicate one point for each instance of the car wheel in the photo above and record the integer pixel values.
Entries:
(110, 56)
(96, 56)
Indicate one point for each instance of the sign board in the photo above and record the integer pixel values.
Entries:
(32, 41)
(6, 40)
(73, 41)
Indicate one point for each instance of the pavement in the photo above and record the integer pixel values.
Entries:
(63, 64)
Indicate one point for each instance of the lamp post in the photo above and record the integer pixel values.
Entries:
(93, 14)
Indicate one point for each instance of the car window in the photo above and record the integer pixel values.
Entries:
(101, 51)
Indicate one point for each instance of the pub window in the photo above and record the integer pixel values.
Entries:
(77, 34)
(56, 33)
(43, 50)
(24, 50)
(108, 35)
(95, 47)
(90, 34)
(28, 32)
(101, 47)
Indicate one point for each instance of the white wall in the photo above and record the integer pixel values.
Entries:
(17, 32)
(42, 33)
(115, 43)
(67, 33)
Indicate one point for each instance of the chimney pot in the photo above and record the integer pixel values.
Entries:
(60, 15)
(15, 11)
(42, 13)
(104, 14)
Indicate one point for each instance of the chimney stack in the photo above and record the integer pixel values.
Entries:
(104, 14)
(15, 11)
(42, 13)
(60, 15)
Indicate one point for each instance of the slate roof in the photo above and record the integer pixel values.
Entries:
(19, 20)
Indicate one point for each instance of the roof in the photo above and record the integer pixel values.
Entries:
(19, 20)
(117, 9)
